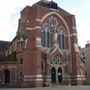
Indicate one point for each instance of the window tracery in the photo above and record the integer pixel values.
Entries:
(48, 35)
(53, 21)
(56, 61)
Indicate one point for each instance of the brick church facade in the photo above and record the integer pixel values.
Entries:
(45, 50)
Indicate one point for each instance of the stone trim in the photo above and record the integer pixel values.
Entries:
(74, 34)
(32, 79)
(33, 76)
(36, 77)
(34, 28)
(39, 20)
(74, 27)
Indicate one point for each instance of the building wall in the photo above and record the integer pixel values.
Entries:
(30, 52)
(85, 54)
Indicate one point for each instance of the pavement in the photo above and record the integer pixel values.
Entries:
(52, 88)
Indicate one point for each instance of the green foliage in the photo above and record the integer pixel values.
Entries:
(87, 84)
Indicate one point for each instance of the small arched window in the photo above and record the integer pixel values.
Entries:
(49, 39)
(43, 40)
(61, 39)
(42, 66)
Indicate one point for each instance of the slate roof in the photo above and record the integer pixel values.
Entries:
(3, 44)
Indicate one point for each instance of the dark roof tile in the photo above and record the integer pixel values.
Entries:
(3, 44)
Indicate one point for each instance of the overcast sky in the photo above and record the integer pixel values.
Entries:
(10, 13)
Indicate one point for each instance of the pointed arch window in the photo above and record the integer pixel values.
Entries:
(43, 40)
(46, 38)
(61, 39)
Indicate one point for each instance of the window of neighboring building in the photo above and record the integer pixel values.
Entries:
(20, 74)
(46, 38)
(61, 39)
(21, 61)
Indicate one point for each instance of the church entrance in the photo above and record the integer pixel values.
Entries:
(56, 75)
(6, 76)
(53, 75)
(59, 75)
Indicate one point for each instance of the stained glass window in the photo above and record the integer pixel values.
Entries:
(53, 21)
(61, 39)
(46, 38)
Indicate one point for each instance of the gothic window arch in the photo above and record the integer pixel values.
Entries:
(61, 38)
(46, 37)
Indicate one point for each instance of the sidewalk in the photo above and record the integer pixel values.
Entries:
(52, 88)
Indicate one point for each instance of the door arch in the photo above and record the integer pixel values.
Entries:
(60, 75)
(6, 76)
(53, 75)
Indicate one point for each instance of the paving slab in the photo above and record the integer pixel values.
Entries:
(52, 88)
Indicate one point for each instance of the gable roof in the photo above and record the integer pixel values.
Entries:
(48, 5)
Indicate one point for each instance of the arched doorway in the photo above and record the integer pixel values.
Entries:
(53, 75)
(6, 76)
(59, 75)
(56, 75)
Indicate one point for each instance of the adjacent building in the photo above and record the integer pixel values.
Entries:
(45, 50)
(85, 55)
